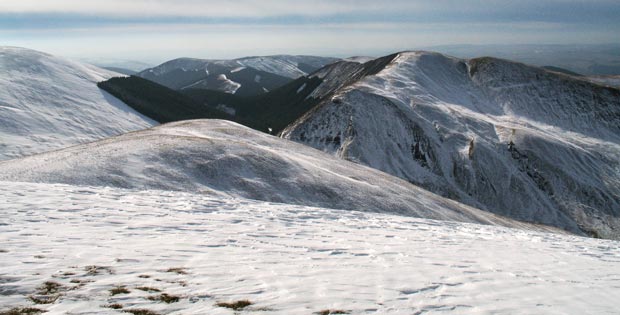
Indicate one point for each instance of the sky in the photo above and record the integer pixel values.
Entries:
(157, 30)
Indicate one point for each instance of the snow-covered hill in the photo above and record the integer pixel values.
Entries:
(503, 136)
(250, 75)
(94, 250)
(222, 158)
(48, 102)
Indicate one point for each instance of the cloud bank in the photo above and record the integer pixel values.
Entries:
(206, 28)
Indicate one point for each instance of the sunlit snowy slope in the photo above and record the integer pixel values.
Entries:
(88, 249)
(222, 158)
(513, 139)
(48, 102)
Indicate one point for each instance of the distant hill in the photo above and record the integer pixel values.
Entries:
(608, 80)
(121, 70)
(562, 70)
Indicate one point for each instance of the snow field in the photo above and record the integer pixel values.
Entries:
(284, 259)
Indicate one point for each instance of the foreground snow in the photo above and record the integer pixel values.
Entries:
(47, 103)
(285, 259)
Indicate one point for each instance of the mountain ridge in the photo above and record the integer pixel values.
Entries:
(441, 121)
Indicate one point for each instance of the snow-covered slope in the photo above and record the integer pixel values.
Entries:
(222, 158)
(503, 136)
(72, 245)
(48, 102)
(254, 74)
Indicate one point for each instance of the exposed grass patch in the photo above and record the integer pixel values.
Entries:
(140, 311)
(3, 251)
(46, 293)
(119, 290)
(97, 270)
(238, 305)
(39, 256)
(177, 270)
(79, 282)
(329, 312)
(144, 276)
(23, 311)
(43, 299)
(49, 287)
(148, 289)
(164, 297)
(115, 306)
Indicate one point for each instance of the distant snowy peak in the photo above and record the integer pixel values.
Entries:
(189, 64)
(282, 65)
(272, 71)
(48, 102)
(287, 65)
(514, 139)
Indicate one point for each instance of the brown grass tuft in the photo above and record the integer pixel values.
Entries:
(238, 305)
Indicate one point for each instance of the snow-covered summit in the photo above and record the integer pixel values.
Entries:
(48, 102)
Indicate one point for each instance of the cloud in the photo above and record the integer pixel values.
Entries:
(204, 8)
(344, 10)
(169, 28)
